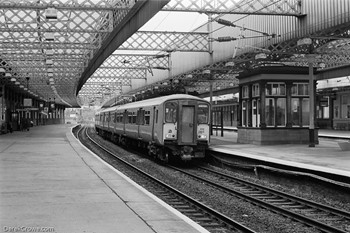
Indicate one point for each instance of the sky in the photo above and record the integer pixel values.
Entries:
(175, 21)
(170, 22)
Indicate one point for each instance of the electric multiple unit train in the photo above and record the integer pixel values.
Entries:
(170, 127)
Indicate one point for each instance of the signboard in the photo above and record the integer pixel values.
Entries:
(324, 102)
(27, 102)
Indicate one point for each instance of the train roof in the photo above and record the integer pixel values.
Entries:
(108, 109)
(158, 100)
(153, 101)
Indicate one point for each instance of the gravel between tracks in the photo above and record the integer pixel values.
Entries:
(247, 214)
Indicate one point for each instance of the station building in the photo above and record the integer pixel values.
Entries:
(19, 110)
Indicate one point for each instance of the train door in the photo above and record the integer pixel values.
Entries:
(187, 124)
(109, 120)
(104, 120)
(125, 120)
(140, 120)
(154, 121)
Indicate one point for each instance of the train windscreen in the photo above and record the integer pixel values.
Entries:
(203, 114)
(170, 112)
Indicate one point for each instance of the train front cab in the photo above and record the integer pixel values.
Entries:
(186, 128)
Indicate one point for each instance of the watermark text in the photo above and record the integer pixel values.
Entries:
(27, 229)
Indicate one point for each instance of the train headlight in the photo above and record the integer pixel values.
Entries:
(202, 136)
(170, 136)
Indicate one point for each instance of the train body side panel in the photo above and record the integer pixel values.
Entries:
(131, 128)
(158, 126)
(119, 126)
(145, 129)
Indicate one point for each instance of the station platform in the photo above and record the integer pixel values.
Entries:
(50, 183)
(327, 157)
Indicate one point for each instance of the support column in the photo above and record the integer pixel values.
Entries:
(262, 104)
(311, 102)
(289, 85)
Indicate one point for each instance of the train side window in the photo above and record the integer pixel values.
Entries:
(157, 116)
(140, 117)
(126, 117)
(147, 115)
(115, 118)
(129, 114)
(121, 117)
(134, 117)
(111, 117)
(170, 112)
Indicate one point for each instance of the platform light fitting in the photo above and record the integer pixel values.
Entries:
(322, 65)
(304, 41)
(260, 56)
(49, 36)
(49, 62)
(49, 52)
(13, 79)
(206, 72)
(229, 64)
(8, 75)
(51, 13)
(2, 70)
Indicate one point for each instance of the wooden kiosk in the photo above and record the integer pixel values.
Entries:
(274, 106)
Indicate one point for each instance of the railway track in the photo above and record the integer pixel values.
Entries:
(202, 214)
(321, 217)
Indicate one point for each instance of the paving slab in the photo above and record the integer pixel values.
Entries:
(49, 180)
(326, 156)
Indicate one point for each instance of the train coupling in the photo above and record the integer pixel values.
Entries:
(186, 153)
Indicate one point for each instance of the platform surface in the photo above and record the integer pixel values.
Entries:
(326, 156)
(48, 180)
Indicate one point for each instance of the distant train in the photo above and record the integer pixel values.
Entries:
(170, 127)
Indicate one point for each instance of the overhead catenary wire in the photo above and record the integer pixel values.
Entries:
(221, 15)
